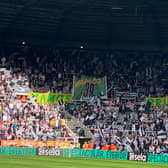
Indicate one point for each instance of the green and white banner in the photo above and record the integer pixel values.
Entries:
(85, 88)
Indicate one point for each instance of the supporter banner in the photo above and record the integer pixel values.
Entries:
(87, 87)
(35, 143)
(95, 154)
(126, 95)
(157, 158)
(17, 86)
(158, 101)
(137, 157)
(17, 151)
(44, 151)
(51, 98)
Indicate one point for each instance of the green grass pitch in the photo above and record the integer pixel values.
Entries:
(62, 162)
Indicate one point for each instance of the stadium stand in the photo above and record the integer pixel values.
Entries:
(122, 124)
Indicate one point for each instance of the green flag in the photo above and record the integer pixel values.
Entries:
(87, 87)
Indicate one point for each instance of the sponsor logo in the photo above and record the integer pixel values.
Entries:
(157, 158)
(137, 157)
(94, 154)
(49, 151)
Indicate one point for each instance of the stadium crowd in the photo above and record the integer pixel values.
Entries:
(28, 120)
(141, 134)
(51, 69)
(144, 128)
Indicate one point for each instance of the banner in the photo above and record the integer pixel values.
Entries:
(94, 154)
(17, 85)
(44, 151)
(35, 143)
(137, 157)
(157, 158)
(17, 151)
(87, 87)
(51, 98)
(158, 101)
(127, 95)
